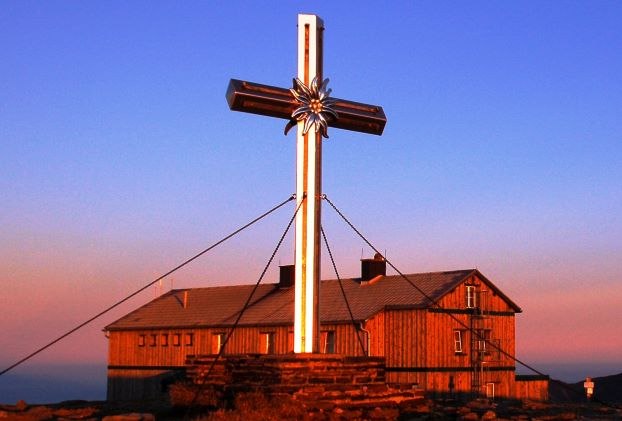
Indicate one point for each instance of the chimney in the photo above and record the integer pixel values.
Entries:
(287, 275)
(373, 268)
(185, 299)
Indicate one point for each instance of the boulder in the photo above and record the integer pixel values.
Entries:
(489, 416)
(471, 416)
(134, 416)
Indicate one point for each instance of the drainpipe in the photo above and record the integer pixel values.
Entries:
(367, 335)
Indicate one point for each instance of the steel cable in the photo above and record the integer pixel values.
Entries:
(435, 304)
(118, 303)
(343, 292)
(241, 313)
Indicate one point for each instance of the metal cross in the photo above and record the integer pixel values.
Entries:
(308, 106)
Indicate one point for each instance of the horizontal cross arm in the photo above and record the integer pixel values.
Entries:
(279, 102)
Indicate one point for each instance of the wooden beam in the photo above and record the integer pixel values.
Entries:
(278, 102)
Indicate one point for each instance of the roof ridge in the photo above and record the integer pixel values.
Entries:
(215, 305)
(350, 278)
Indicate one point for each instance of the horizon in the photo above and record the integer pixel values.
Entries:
(52, 383)
(119, 158)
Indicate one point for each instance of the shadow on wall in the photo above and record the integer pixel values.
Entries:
(129, 385)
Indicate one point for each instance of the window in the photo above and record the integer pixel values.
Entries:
(189, 339)
(141, 340)
(457, 341)
(267, 343)
(481, 345)
(154, 340)
(218, 340)
(482, 338)
(490, 390)
(164, 339)
(177, 339)
(471, 297)
(328, 342)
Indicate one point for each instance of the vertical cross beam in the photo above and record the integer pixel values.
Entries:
(308, 191)
(344, 114)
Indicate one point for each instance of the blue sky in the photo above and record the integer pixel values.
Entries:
(119, 157)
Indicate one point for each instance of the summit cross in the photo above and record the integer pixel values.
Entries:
(309, 107)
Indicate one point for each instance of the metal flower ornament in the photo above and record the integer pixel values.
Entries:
(315, 106)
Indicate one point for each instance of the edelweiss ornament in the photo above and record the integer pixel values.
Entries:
(315, 106)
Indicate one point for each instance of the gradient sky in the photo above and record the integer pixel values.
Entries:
(119, 157)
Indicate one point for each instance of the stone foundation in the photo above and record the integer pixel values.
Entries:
(322, 382)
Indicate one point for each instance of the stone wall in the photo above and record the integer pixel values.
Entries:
(322, 382)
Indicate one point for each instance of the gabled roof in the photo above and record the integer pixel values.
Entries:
(272, 305)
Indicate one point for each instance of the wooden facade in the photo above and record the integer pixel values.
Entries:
(461, 344)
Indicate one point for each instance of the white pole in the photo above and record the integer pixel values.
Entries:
(309, 190)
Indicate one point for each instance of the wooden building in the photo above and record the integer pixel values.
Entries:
(452, 333)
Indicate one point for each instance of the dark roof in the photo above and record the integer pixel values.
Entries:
(272, 305)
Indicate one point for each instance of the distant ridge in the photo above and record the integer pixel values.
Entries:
(607, 389)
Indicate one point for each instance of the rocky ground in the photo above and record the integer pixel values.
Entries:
(426, 410)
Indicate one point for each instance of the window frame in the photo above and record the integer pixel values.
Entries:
(219, 338)
(481, 345)
(329, 342)
(457, 339)
(483, 336)
(471, 296)
(268, 340)
(164, 339)
(176, 339)
(189, 339)
(490, 390)
(142, 340)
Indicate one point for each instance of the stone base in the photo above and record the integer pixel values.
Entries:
(322, 382)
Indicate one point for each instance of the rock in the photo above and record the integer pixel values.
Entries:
(345, 414)
(489, 415)
(450, 410)
(35, 413)
(75, 413)
(74, 419)
(480, 404)
(535, 406)
(463, 410)
(4, 414)
(135, 416)
(471, 416)
(383, 414)
(421, 409)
